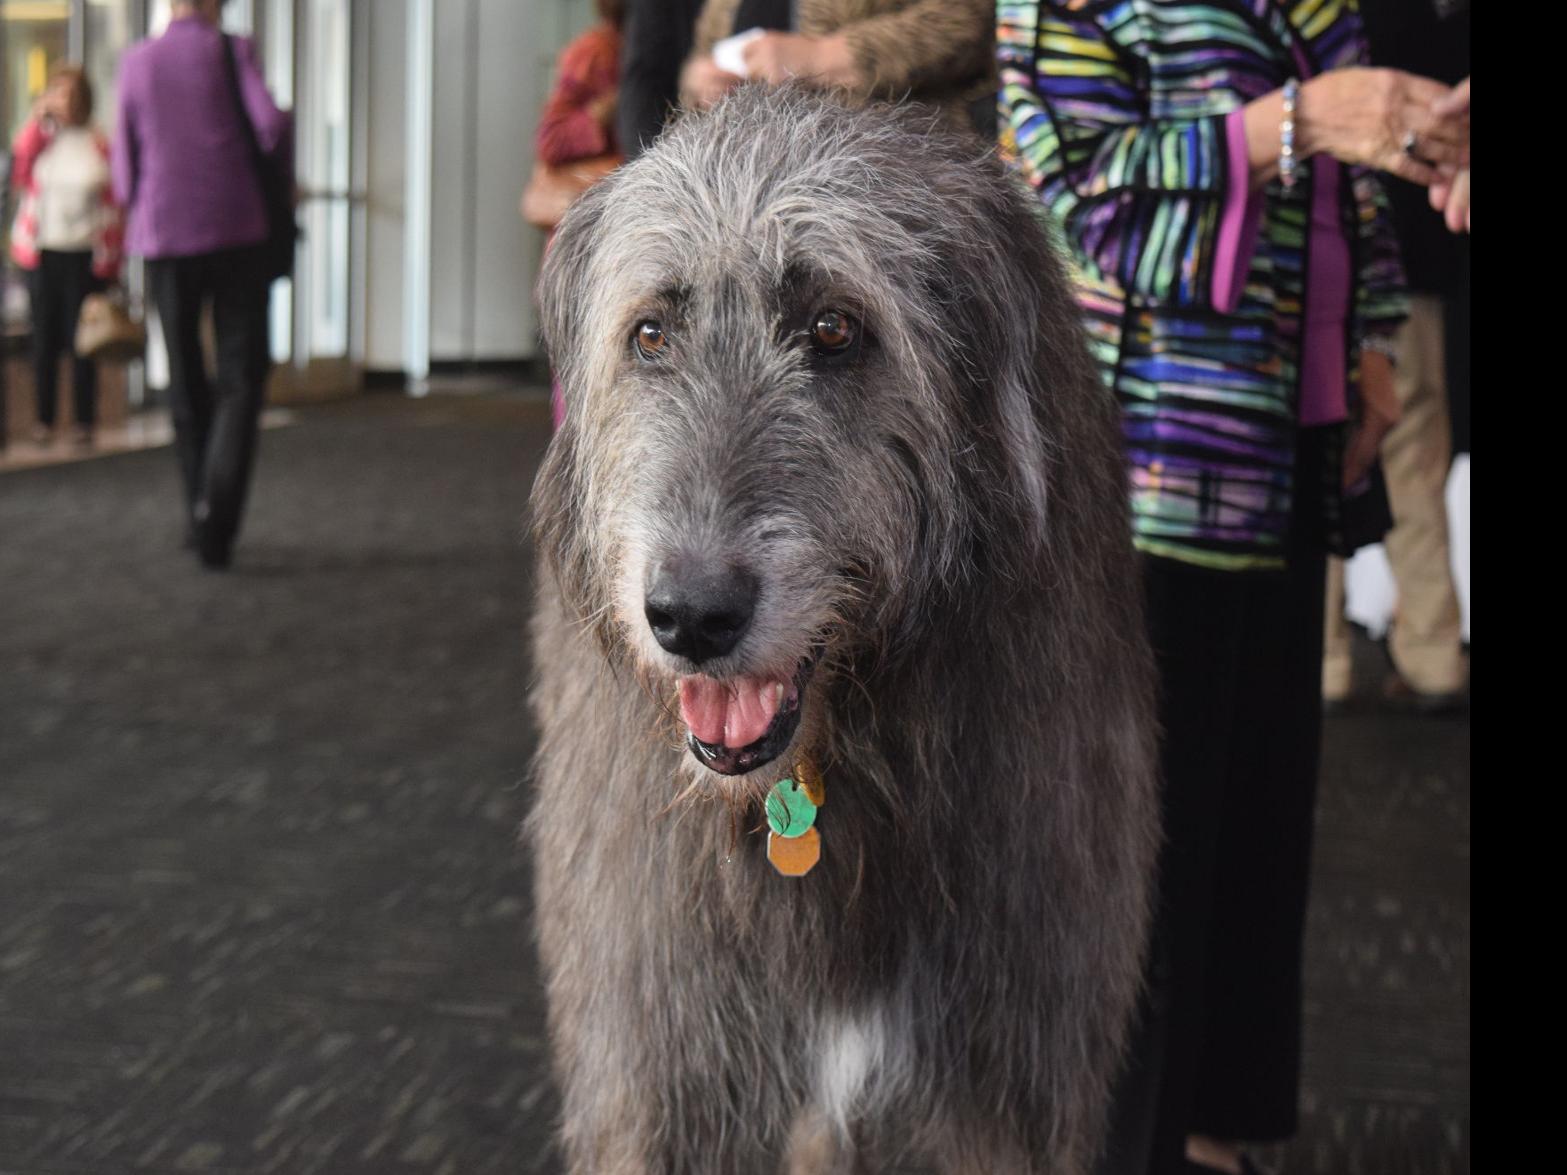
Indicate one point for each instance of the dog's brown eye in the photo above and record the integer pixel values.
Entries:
(834, 332)
(650, 339)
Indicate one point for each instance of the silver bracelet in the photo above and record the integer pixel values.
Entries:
(1381, 345)
(1287, 162)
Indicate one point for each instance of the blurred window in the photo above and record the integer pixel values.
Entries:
(35, 37)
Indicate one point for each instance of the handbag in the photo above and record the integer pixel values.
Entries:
(107, 332)
(552, 188)
(277, 189)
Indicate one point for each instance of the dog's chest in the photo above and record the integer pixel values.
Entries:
(862, 1060)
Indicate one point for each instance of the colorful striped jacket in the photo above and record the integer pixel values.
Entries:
(1114, 110)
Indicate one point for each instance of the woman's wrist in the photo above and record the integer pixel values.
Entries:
(1262, 119)
(1383, 343)
(1289, 162)
(1313, 128)
(835, 62)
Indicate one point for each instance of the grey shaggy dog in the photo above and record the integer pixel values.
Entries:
(837, 478)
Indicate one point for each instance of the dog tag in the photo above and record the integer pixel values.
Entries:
(790, 812)
(810, 781)
(794, 856)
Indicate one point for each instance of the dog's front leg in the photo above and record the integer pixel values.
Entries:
(816, 1147)
(995, 1150)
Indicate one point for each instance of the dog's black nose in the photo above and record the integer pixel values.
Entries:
(698, 609)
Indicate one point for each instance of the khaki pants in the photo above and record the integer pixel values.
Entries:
(1425, 642)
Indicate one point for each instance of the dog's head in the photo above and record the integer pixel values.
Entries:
(800, 352)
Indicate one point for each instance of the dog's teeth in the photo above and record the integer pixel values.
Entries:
(778, 692)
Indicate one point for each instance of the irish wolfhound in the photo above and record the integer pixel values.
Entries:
(837, 485)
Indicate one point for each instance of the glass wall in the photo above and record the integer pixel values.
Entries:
(36, 37)
(107, 30)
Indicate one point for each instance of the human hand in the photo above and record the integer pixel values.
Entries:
(1385, 119)
(1379, 412)
(776, 58)
(602, 108)
(1450, 197)
(49, 108)
(1455, 103)
(702, 83)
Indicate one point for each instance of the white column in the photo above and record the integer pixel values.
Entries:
(417, 172)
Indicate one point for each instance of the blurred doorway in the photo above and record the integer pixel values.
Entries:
(325, 340)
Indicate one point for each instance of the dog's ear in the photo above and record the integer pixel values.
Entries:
(1023, 342)
(558, 499)
(556, 507)
(563, 282)
(1058, 423)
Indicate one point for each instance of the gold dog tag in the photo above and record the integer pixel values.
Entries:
(810, 781)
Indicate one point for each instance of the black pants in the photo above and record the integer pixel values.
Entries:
(215, 419)
(56, 289)
(1217, 1048)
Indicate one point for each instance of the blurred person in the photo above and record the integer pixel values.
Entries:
(67, 237)
(194, 113)
(936, 51)
(576, 143)
(1425, 642)
(655, 44)
(579, 118)
(1256, 387)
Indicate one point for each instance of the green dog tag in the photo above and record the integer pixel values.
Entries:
(789, 810)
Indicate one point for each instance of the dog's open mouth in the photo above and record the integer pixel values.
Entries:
(742, 723)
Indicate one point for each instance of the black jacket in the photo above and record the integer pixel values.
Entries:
(655, 41)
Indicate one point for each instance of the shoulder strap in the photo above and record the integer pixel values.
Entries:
(257, 158)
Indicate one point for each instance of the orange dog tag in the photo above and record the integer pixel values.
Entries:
(794, 856)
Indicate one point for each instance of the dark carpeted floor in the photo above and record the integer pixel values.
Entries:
(261, 902)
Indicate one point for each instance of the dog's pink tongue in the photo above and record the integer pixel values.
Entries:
(732, 713)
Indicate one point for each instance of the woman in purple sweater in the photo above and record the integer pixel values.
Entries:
(184, 169)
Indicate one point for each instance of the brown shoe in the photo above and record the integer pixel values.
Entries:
(1400, 695)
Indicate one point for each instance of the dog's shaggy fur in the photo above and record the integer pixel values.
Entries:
(942, 521)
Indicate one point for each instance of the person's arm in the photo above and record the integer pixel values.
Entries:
(273, 125)
(1139, 199)
(715, 20)
(1360, 116)
(124, 148)
(28, 145)
(109, 240)
(701, 81)
(1380, 305)
(1163, 206)
(927, 43)
(576, 119)
(1381, 290)
(654, 43)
